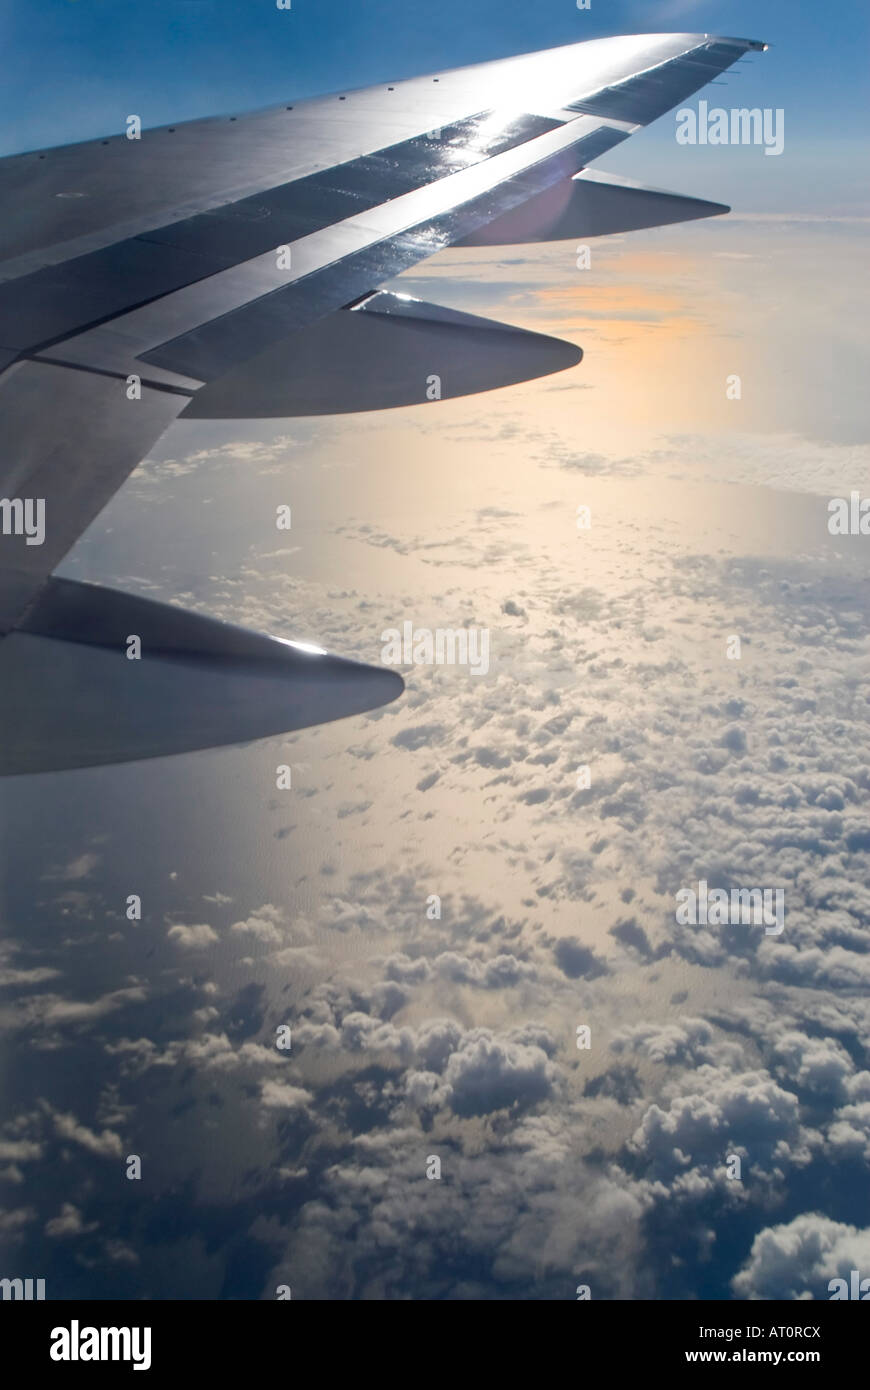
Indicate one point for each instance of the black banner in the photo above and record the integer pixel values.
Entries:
(234, 1338)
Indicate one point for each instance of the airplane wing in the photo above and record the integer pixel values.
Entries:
(232, 267)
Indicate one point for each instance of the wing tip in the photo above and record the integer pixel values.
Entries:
(751, 45)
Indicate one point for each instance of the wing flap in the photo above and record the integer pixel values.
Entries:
(71, 438)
